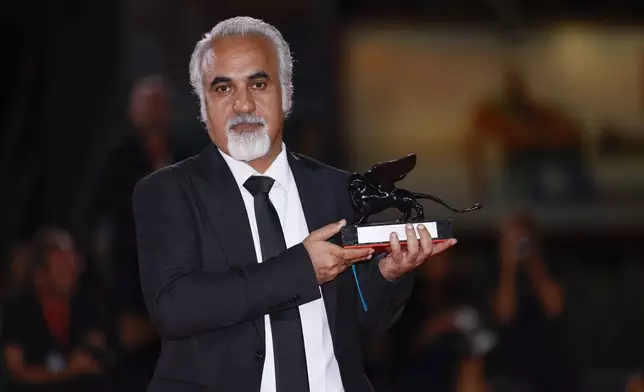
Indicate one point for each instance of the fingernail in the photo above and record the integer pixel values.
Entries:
(371, 251)
(342, 222)
(368, 257)
(421, 226)
(393, 235)
(410, 226)
(454, 241)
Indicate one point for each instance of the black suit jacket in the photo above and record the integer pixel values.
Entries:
(207, 294)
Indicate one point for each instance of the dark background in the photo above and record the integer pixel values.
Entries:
(69, 67)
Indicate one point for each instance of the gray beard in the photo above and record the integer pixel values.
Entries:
(247, 146)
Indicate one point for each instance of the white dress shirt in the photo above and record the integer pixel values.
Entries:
(323, 370)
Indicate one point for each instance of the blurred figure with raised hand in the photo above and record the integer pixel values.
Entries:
(528, 305)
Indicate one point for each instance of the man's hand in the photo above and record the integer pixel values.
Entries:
(402, 260)
(330, 260)
(82, 362)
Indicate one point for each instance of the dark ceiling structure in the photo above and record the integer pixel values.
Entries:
(515, 11)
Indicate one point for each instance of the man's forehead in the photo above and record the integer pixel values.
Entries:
(235, 53)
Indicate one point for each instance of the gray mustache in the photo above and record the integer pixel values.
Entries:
(246, 119)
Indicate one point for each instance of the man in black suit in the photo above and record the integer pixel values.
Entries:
(236, 268)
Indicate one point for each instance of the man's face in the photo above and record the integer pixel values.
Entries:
(244, 96)
(62, 270)
(150, 109)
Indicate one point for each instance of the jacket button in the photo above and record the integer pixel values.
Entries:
(259, 356)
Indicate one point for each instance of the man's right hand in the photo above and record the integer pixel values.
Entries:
(329, 260)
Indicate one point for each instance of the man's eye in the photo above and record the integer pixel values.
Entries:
(222, 89)
(259, 85)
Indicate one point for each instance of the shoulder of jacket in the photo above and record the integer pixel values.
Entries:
(173, 172)
(315, 164)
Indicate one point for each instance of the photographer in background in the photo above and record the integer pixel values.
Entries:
(442, 334)
(528, 307)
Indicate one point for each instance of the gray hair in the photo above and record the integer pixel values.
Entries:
(239, 26)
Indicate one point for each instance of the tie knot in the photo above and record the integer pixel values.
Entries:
(259, 184)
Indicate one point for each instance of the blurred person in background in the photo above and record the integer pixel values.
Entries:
(528, 306)
(145, 148)
(51, 340)
(441, 337)
(535, 141)
(151, 115)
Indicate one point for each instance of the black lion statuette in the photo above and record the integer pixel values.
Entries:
(375, 191)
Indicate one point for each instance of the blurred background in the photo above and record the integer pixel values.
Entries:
(533, 108)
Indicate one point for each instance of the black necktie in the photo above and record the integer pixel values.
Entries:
(288, 341)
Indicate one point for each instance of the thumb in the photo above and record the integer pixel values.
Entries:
(328, 231)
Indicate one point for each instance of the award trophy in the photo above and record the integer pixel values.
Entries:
(375, 191)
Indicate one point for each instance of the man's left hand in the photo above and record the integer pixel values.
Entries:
(405, 258)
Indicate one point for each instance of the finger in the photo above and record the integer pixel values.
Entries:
(443, 246)
(354, 261)
(426, 243)
(396, 250)
(412, 243)
(353, 253)
(328, 231)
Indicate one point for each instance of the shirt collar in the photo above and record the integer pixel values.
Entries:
(279, 169)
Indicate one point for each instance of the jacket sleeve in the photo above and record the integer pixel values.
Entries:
(385, 300)
(185, 301)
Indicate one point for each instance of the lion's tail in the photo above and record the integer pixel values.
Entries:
(476, 206)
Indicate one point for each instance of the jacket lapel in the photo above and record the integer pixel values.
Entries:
(226, 212)
(317, 202)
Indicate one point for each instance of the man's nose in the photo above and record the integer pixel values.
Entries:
(244, 102)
